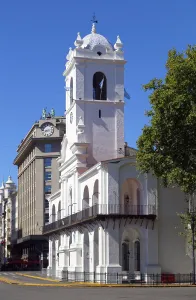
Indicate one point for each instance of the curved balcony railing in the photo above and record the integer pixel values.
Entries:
(98, 210)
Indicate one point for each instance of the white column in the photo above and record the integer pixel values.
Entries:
(65, 197)
(101, 266)
(152, 259)
(91, 252)
(49, 268)
(112, 249)
(62, 198)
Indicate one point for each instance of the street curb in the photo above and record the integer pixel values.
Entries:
(89, 285)
(86, 284)
(37, 277)
(103, 285)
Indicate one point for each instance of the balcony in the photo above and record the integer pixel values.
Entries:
(102, 212)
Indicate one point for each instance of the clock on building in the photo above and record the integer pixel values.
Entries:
(47, 129)
(71, 117)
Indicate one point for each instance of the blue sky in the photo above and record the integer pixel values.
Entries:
(35, 38)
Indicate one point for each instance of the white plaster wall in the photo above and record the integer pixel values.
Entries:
(172, 247)
(71, 129)
(105, 134)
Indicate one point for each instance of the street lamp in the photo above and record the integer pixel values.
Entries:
(192, 213)
(4, 226)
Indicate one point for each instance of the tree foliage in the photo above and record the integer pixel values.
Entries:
(167, 147)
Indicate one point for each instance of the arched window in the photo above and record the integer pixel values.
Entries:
(95, 197)
(99, 86)
(53, 213)
(85, 200)
(137, 255)
(71, 91)
(125, 256)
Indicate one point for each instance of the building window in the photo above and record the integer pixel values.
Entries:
(47, 148)
(47, 175)
(46, 218)
(46, 203)
(47, 189)
(47, 162)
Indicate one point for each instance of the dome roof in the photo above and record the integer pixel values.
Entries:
(94, 39)
(9, 181)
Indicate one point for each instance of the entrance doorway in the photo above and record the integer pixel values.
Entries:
(131, 251)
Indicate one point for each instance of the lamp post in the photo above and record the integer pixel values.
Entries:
(4, 233)
(192, 213)
(193, 243)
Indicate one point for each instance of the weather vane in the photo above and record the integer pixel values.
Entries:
(94, 20)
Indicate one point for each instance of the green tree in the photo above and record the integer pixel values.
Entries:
(167, 146)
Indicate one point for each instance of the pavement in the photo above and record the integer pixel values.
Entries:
(16, 292)
(24, 278)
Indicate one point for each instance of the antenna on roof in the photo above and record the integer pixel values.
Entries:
(94, 20)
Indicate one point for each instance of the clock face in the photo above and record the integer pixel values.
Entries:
(47, 129)
(71, 117)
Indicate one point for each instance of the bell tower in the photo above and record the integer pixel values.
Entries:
(94, 83)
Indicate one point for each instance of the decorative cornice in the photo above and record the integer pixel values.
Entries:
(120, 103)
(67, 163)
(70, 108)
(54, 196)
(77, 59)
(94, 169)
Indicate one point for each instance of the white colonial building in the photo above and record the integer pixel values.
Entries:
(107, 217)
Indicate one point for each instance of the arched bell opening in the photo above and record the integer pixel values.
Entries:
(99, 86)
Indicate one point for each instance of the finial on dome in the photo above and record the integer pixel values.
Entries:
(78, 42)
(94, 21)
(118, 45)
(93, 28)
(9, 180)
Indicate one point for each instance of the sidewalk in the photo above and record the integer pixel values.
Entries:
(41, 277)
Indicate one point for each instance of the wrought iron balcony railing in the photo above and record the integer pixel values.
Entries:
(103, 211)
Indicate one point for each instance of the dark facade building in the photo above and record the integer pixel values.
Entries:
(37, 179)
